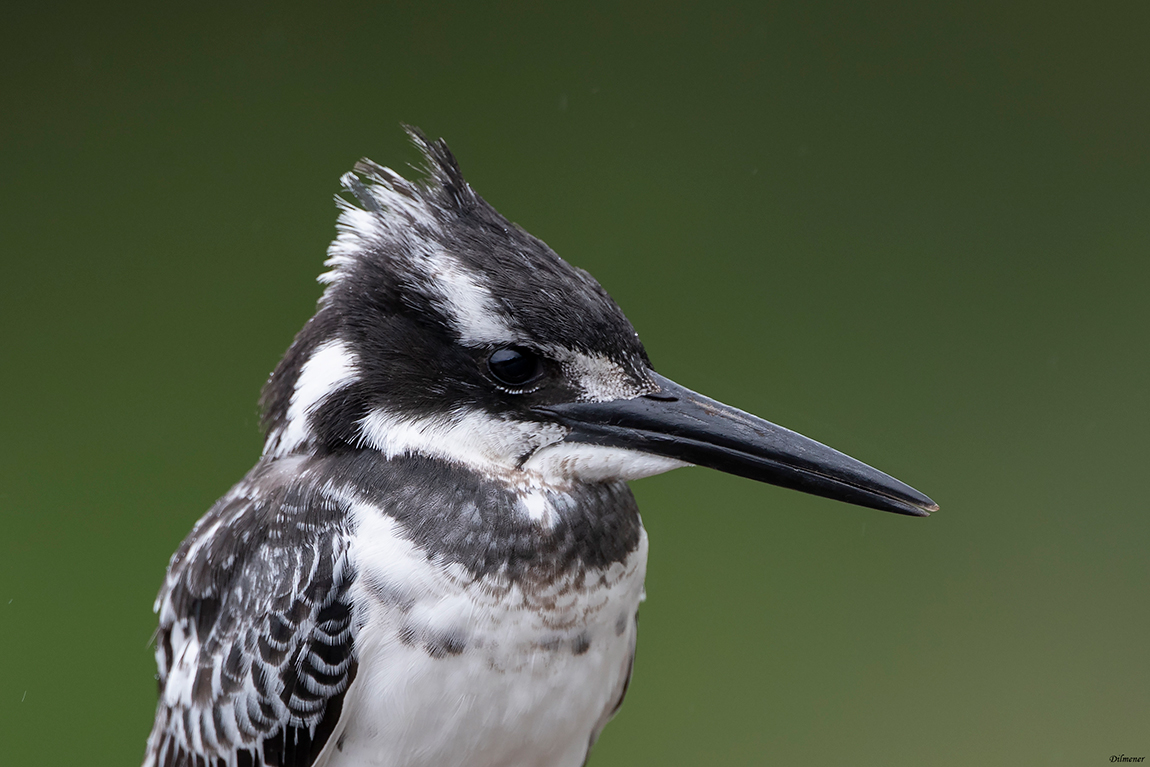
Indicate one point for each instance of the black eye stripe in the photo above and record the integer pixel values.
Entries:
(514, 366)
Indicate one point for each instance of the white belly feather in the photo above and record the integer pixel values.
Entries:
(480, 673)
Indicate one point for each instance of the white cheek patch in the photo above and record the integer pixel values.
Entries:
(472, 438)
(331, 367)
(577, 461)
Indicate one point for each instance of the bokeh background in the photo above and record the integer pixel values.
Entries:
(915, 231)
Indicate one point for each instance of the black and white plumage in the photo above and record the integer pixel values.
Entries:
(436, 560)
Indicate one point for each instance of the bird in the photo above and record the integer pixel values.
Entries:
(437, 560)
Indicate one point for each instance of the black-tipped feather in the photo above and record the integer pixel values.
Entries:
(260, 586)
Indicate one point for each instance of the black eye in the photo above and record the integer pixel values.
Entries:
(514, 367)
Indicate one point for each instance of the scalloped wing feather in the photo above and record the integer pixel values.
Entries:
(256, 638)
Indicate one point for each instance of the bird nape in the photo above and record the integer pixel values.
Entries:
(436, 560)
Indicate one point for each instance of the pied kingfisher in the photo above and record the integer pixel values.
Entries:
(436, 561)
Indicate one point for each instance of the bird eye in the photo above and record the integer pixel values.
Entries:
(514, 367)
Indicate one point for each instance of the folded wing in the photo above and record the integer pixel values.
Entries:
(255, 645)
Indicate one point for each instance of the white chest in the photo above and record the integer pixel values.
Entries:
(481, 673)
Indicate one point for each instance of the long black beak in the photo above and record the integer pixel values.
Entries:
(678, 423)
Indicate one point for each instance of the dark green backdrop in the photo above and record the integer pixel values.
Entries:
(917, 233)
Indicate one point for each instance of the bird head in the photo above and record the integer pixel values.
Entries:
(446, 331)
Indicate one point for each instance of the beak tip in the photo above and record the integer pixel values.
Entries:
(924, 506)
(925, 509)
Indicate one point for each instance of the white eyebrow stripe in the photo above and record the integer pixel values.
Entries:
(472, 309)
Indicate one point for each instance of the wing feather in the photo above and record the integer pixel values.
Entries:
(256, 641)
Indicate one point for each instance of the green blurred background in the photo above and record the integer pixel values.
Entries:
(918, 233)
